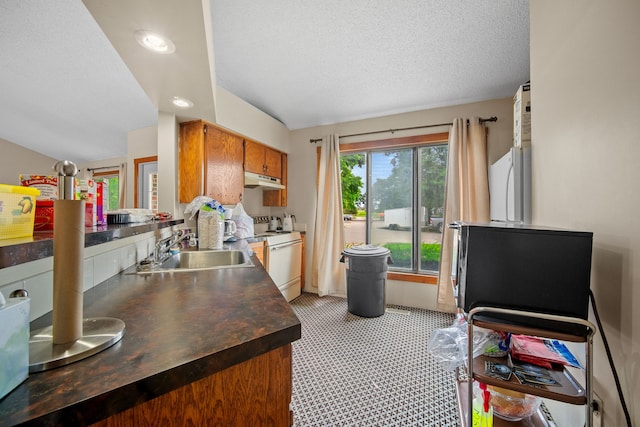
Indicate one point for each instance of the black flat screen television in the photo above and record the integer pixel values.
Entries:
(524, 267)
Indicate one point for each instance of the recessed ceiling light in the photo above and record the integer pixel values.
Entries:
(154, 42)
(181, 102)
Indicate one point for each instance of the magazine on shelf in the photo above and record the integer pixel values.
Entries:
(542, 352)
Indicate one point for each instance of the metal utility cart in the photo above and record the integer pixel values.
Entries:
(562, 328)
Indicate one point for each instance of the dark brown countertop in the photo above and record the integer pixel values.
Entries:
(21, 250)
(180, 327)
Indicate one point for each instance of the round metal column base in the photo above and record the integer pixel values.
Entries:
(97, 334)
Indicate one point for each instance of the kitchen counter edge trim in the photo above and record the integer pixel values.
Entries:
(92, 410)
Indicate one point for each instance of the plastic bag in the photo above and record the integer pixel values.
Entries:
(195, 205)
(210, 223)
(244, 223)
(449, 345)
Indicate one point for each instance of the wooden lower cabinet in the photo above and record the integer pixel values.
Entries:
(253, 393)
(258, 248)
(302, 264)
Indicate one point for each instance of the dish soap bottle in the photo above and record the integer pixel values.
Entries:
(482, 410)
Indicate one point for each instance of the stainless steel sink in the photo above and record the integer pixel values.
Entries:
(200, 260)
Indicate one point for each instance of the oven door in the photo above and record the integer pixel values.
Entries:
(283, 263)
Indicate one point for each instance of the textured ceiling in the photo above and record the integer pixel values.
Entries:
(74, 81)
(308, 63)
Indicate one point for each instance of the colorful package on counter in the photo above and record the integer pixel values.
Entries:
(86, 190)
(102, 201)
(47, 184)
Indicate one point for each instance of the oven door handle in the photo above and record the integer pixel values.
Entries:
(285, 245)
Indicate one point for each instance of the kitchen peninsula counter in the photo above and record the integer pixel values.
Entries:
(181, 329)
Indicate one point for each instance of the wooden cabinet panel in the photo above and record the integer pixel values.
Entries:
(191, 161)
(273, 162)
(277, 197)
(253, 157)
(258, 248)
(210, 163)
(253, 393)
(302, 264)
(224, 155)
(261, 159)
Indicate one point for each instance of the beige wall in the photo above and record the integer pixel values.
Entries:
(84, 173)
(302, 165)
(16, 160)
(140, 143)
(585, 108)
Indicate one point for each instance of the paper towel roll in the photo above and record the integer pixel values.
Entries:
(68, 261)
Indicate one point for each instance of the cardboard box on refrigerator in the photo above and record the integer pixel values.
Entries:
(522, 116)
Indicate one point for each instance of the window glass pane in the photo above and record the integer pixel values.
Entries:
(391, 204)
(405, 188)
(433, 171)
(353, 170)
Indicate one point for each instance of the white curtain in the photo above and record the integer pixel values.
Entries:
(466, 194)
(327, 273)
(122, 185)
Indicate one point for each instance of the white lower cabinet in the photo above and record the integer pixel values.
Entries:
(100, 263)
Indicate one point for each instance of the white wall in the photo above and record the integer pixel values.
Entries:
(585, 108)
(16, 160)
(238, 115)
(303, 166)
(84, 173)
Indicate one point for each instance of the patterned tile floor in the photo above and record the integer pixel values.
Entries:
(355, 371)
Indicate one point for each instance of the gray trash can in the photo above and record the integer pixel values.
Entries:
(367, 267)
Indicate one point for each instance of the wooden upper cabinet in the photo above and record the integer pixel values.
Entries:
(224, 155)
(277, 197)
(273, 162)
(262, 160)
(211, 161)
(191, 161)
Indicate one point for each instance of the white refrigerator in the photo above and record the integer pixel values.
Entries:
(510, 187)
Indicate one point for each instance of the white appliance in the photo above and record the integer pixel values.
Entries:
(283, 262)
(266, 182)
(287, 223)
(510, 187)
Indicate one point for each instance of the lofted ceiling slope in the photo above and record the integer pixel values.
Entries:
(74, 81)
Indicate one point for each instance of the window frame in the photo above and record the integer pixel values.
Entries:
(396, 143)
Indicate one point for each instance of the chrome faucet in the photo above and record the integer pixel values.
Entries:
(163, 246)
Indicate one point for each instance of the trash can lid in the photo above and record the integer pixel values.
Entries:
(366, 250)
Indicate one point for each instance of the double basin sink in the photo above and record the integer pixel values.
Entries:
(198, 260)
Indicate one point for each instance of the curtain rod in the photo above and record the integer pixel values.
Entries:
(103, 167)
(491, 119)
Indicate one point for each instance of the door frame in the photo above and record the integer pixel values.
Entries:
(136, 166)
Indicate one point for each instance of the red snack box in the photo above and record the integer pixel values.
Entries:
(44, 215)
